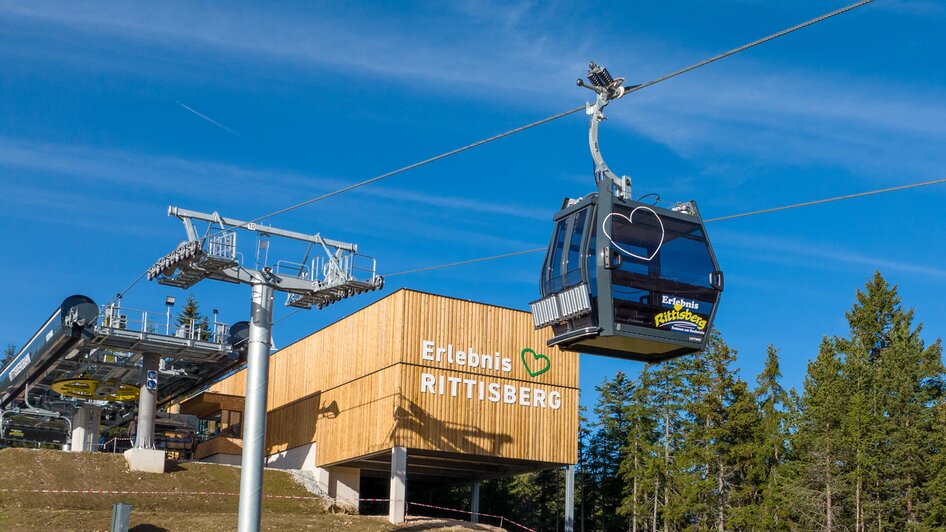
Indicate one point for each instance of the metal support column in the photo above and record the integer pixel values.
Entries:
(254, 415)
(475, 503)
(570, 498)
(398, 496)
(147, 402)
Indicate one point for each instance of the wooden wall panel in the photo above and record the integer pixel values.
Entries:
(218, 445)
(359, 417)
(352, 347)
(361, 378)
(293, 424)
(487, 329)
(459, 423)
(471, 425)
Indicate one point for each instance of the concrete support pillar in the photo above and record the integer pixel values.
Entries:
(398, 505)
(346, 486)
(94, 429)
(85, 429)
(570, 498)
(147, 402)
(143, 456)
(79, 430)
(475, 502)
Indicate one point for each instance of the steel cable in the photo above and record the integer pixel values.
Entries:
(711, 220)
(560, 115)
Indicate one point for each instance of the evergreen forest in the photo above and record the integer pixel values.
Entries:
(690, 445)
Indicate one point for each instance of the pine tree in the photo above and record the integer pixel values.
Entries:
(8, 353)
(496, 498)
(934, 508)
(538, 498)
(870, 320)
(736, 489)
(817, 487)
(191, 321)
(723, 423)
(764, 496)
(585, 489)
(640, 451)
(669, 512)
(694, 459)
(609, 442)
(869, 419)
(890, 438)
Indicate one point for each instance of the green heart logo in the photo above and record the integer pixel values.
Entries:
(535, 356)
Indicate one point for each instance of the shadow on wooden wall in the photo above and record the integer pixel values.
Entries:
(447, 436)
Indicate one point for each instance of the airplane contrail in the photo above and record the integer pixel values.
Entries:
(214, 122)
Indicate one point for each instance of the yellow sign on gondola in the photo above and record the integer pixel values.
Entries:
(85, 388)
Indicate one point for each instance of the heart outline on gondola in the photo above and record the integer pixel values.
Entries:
(630, 220)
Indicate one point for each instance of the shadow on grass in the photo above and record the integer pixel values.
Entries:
(172, 466)
(147, 528)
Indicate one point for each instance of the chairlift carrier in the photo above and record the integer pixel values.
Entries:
(626, 278)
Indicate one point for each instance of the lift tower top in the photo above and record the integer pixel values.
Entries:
(337, 273)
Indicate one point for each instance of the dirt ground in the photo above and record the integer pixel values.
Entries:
(34, 519)
(29, 469)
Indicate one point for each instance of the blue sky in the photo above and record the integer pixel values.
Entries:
(95, 144)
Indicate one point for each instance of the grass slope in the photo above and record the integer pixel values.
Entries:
(41, 469)
(23, 469)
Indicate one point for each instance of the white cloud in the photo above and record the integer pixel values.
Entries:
(203, 180)
(522, 54)
(427, 49)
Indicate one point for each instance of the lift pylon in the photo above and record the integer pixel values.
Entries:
(338, 272)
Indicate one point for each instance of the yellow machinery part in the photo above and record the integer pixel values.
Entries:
(81, 388)
(84, 388)
(116, 391)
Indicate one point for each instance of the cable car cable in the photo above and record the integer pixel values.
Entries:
(420, 163)
(471, 261)
(719, 219)
(627, 90)
(828, 200)
(635, 88)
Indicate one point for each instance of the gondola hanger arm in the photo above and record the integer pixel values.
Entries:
(606, 89)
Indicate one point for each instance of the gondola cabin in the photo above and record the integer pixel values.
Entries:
(628, 279)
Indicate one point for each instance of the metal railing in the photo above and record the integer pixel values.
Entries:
(117, 317)
(116, 445)
(295, 269)
(340, 269)
(222, 245)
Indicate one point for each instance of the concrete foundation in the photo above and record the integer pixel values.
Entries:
(341, 483)
(147, 460)
(302, 457)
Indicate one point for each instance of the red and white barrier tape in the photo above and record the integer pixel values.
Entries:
(502, 518)
(223, 493)
(161, 493)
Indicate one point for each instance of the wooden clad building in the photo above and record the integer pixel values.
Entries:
(469, 391)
